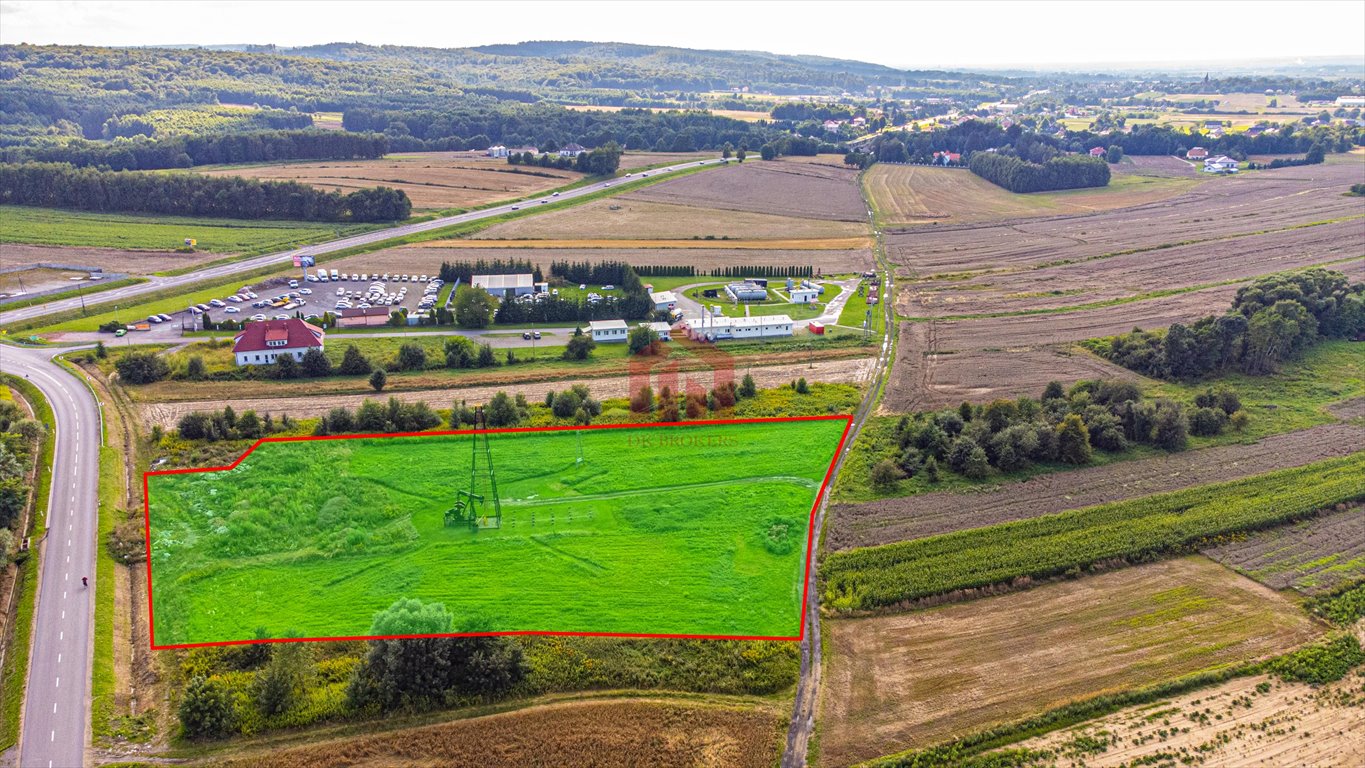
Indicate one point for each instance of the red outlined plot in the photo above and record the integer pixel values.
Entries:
(805, 572)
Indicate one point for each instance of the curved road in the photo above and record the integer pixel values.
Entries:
(285, 257)
(56, 715)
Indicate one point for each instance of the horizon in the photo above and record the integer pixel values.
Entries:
(1300, 40)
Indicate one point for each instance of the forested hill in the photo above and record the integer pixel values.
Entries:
(546, 66)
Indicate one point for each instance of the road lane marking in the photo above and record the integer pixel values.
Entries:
(59, 661)
(59, 683)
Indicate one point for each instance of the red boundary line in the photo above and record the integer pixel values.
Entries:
(810, 530)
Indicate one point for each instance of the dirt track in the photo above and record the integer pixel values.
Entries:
(929, 514)
(847, 371)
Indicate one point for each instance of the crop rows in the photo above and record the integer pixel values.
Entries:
(1047, 546)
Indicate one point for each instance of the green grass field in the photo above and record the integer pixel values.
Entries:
(668, 530)
(50, 226)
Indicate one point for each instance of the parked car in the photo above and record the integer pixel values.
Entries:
(306, 291)
(164, 317)
(154, 319)
(526, 335)
(258, 317)
(196, 310)
(217, 303)
(235, 299)
(281, 317)
(535, 334)
(121, 332)
(556, 194)
(232, 310)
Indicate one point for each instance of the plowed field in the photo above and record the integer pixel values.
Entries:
(803, 190)
(928, 514)
(427, 259)
(633, 219)
(1312, 557)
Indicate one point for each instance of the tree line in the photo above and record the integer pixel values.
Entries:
(142, 153)
(464, 271)
(478, 125)
(1272, 320)
(19, 441)
(1018, 175)
(58, 185)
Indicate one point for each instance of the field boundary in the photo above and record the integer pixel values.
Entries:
(806, 577)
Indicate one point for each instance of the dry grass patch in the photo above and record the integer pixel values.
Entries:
(794, 244)
(900, 682)
(633, 219)
(428, 260)
(433, 180)
(111, 260)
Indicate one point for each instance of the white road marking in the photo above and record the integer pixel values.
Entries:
(63, 594)
(54, 707)
(59, 683)
(54, 736)
(63, 614)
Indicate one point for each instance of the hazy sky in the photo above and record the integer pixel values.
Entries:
(898, 34)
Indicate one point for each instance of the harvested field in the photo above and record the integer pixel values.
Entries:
(928, 514)
(167, 413)
(794, 244)
(432, 180)
(1136, 274)
(1156, 165)
(1264, 201)
(908, 681)
(916, 194)
(1312, 557)
(422, 258)
(110, 260)
(607, 733)
(802, 190)
(632, 219)
(1251, 721)
(41, 279)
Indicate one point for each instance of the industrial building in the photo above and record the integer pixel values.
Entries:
(663, 301)
(746, 291)
(498, 285)
(804, 295)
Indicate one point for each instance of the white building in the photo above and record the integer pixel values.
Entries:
(262, 343)
(497, 150)
(664, 330)
(498, 285)
(608, 331)
(572, 150)
(1350, 101)
(1220, 164)
(663, 301)
(718, 327)
(804, 295)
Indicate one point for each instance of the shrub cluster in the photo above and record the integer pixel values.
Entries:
(1061, 426)
(227, 425)
(1019, 175)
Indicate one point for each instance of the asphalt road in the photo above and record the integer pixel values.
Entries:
(285, 257)
(56, 715)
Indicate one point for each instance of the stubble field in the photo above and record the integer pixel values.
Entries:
(1252, 721)
(802, 190)
(915, 195)
(432, 180)
(909, 681)
(607, 734)
(317, 537)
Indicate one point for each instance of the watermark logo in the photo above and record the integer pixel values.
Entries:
(684, 365)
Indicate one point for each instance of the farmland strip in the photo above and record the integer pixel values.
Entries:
(1151, 526)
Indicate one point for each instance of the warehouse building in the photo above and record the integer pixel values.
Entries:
(498, 285)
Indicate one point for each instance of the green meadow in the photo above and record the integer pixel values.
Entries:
(660, 530)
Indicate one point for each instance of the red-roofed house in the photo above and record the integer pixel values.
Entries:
(261, 343)
(1097, 152)
(1197, 153)
(944, 158)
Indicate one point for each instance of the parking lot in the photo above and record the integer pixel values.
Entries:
(320, 293)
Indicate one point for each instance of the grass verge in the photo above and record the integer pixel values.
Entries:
(15, 671)
(102, 667)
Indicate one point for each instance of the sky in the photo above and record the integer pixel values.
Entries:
(907, 35)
